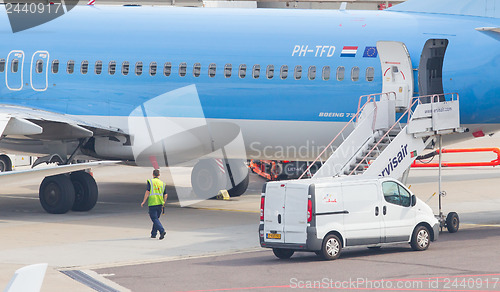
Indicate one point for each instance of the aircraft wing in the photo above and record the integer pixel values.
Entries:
(15, 176)
(39, 124)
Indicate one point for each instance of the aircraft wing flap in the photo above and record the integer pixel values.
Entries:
(39, 124)
(15, 176)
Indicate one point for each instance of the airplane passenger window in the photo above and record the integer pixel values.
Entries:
(182, 69)
(256, 71)
(340, 73)
(112, 68)
(85, 67)
(370, 74)
(284, 72)
(297, 72)
(227, 70)
(152, 68)
(243, 71)
(125, 67)
(197, 70)
(70, 67)
(14, 66)
(212, 69)
(2, 65)
(167, 69)
(270, 71)
(98, 67)
(326, 73)
(55, 66)
(138, 68)
(39, 66)
(355, 73)
(312, 73)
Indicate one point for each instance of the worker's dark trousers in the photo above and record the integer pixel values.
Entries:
(154, 214)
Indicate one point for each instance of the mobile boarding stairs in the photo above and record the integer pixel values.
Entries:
(385, 139)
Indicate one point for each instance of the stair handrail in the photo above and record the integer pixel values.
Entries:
(454, 97)
(370, 98)
(408, 111)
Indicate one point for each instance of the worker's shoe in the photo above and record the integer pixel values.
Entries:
(162, 235)
(153, 236)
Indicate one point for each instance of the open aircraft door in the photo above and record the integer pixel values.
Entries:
(397, 71)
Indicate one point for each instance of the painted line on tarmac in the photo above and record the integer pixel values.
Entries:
(167, 259)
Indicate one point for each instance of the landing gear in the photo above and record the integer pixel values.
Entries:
(57, 194)
(76, 191)
(209, 176)
(85, 191)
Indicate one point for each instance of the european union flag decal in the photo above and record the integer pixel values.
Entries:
(370, 52)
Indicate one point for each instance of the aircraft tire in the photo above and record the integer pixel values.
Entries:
(207, 179)
(86, 191)
(452, 222)
(240, 188)
(283, 253)
(57, 194)
(5, 163)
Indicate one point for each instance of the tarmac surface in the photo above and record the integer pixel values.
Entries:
(214, 244)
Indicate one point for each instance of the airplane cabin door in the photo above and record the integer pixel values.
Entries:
(14, 70)
(397, 71)
(430, 68)
(39, 70)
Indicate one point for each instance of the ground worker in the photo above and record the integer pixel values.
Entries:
(156, 195)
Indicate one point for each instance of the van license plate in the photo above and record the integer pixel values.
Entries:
(273, 236)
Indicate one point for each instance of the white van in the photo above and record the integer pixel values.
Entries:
(326, 215)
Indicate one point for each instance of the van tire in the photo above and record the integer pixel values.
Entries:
(421, 238)
(283, 253)
(452, 222)
(331, 247)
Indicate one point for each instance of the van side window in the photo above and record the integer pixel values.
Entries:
(284, 72)
(355, 74)
(312, 73)
(85, 67)
(71, 67)
(256, 71)
(55, 66)
(98, 67)
(370, 74)
(167, 69)
(212, 70)
(326, 73)
(2, 65)
(138, 68)
(152, 68)
(196, 69)
(243, 71)
(125, 67)
(182, 69)
(396, 194)
(112, 68)
(297, 72)
(340, 73)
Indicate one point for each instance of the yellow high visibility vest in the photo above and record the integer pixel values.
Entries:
(157, 187)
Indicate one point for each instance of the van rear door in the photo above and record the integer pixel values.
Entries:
(274, 207)
(296, 198)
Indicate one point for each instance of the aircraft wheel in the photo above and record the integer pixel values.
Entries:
(86, 192)
(240, 188)
(57, 194)
(452, 222)
(207, 179)
(5, 163)
(283, 253)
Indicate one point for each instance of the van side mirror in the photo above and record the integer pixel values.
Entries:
(413, 200)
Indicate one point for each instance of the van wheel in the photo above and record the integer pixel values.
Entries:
(452, 222)
(283, 253)
(331, 247)
(421, 239)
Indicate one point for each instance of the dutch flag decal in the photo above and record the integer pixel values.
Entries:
(349, 51)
